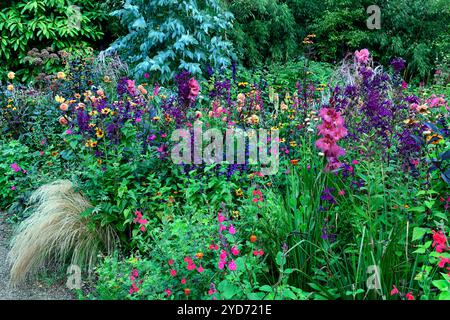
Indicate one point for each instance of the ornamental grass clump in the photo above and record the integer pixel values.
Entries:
(56, 233)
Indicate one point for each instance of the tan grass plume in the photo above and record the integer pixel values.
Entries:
(57, 233)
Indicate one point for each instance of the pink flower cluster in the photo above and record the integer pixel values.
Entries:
(214, 247)
(224, 255)
(131, 87)
(194, 89)
(259, 252)
(134, 276)
(332, 130)
(395, 291)
(362, 56)
(436, 102)
(439, 241)
(222, 226)
(443, 262)
(257, 196)
(140, 220)
(212, 289)
(16, 168)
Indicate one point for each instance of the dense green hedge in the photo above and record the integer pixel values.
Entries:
(417, 30)
(265, 31)
(42, 24)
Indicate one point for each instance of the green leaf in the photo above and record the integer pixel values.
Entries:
(418, 233)
(442, 285)
(228, 290)
(266, 288)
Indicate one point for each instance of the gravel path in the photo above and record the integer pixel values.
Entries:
(33, 290)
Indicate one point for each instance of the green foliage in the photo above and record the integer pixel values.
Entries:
(273, 31)
(265, 30)
(181, 35)
(408, 30)
(59, 24)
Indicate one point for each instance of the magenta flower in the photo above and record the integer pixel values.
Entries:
(362, 56)
(15, 167)
(194, 89)
(156, 90)
(439, 241)
(223, 255)
(394, 291)
(232, 265)
(443, 262)
(232, 230)
(332, 130)
(191, 266)
(131, 87)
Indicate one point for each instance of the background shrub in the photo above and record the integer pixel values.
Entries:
(41, 24)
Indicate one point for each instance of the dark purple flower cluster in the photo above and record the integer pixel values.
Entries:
(327, 199)
(172, 109)
(398, 64)
(327, 232)
(83, 121)
(122, 86)
(222, 89)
